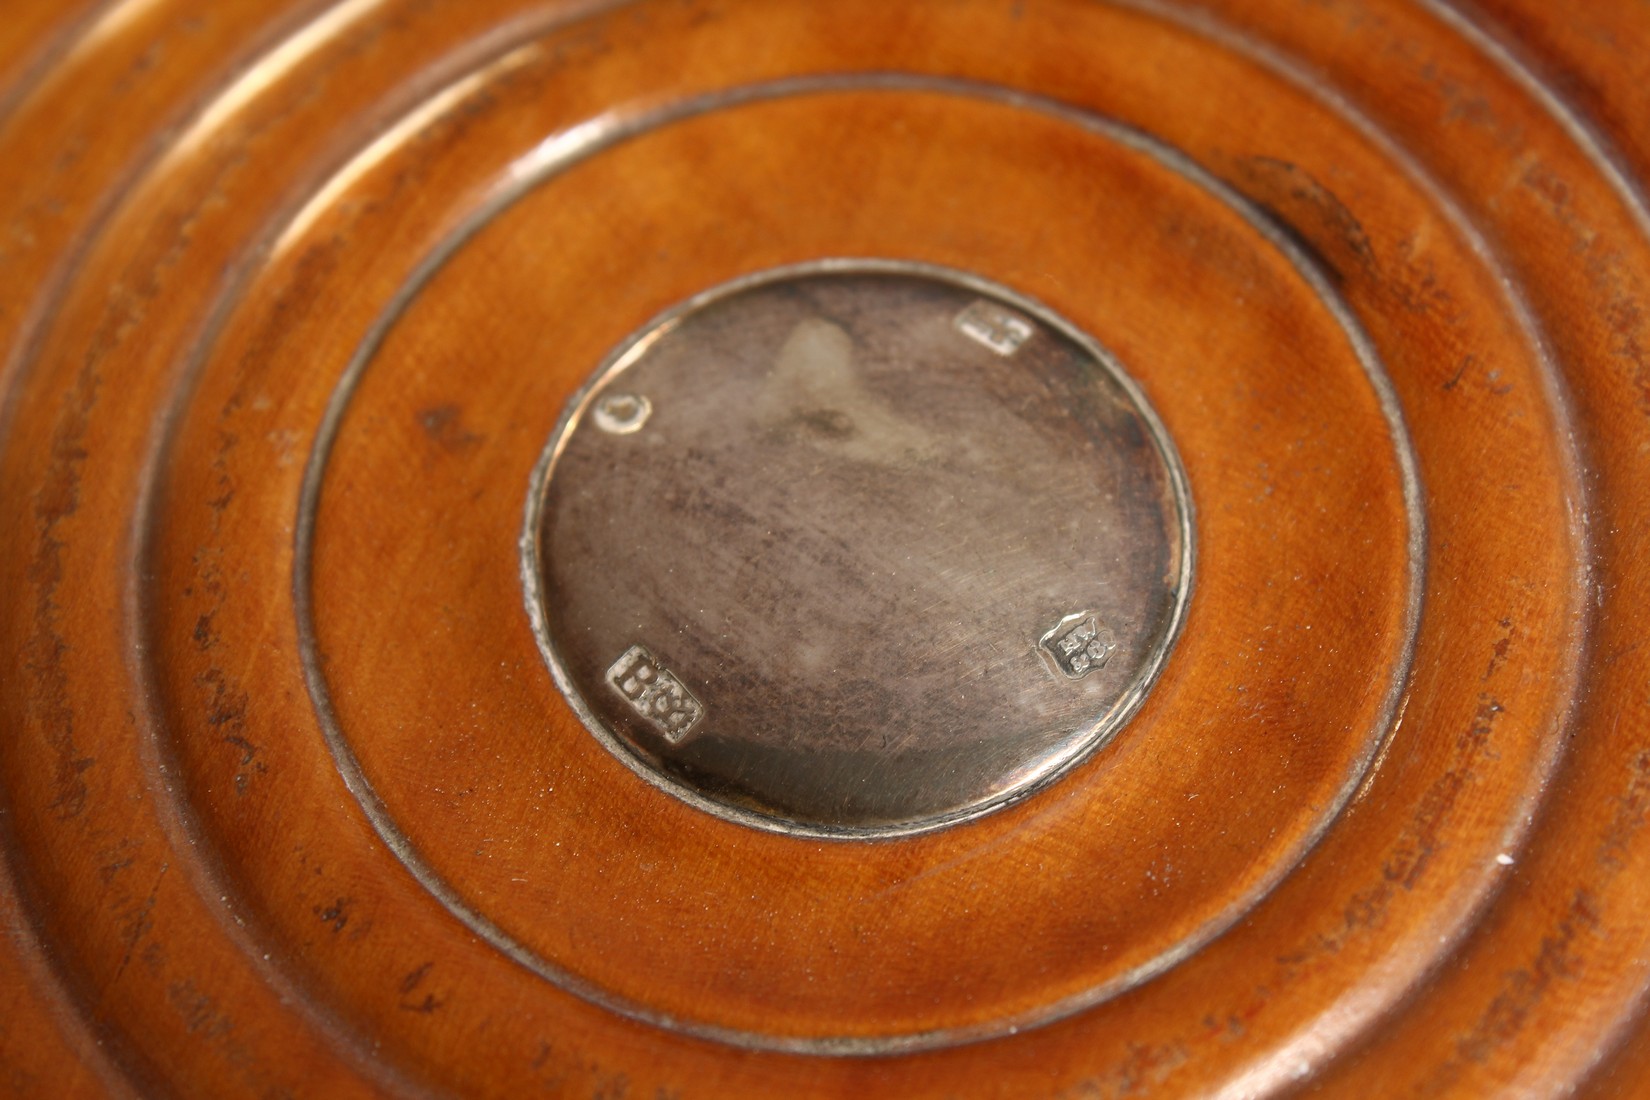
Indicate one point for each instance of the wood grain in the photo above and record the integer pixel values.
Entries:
(292, 296)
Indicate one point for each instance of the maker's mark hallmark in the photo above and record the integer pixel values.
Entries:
(1080, 644)
(994, 326)
(655, 694)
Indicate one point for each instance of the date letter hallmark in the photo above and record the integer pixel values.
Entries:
(1080, 644)
(990, 324)
(656, 695)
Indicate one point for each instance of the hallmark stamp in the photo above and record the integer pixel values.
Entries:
(622, 413)
(998, 329)
(655, 694)
(1080, 644)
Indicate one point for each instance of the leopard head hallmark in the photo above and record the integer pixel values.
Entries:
(1079, 644)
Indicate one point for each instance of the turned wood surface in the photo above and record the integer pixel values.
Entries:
(294, 292)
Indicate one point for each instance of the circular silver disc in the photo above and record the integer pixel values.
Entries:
(857, 548)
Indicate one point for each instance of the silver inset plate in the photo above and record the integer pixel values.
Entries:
(909, 544)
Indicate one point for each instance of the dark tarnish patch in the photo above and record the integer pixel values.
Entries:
(1559, 959)
(126, 310)
(1632, 813)
(57, 500)
(226, 706)
(1419, 842)
(1461, 101)
(1412, 854)
(443, 425)
(1522, 991)
(1607, 268)
(136, 920)
(206, 1021)
(226, 703)
(1310, 214)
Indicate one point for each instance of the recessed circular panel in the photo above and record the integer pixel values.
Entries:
(857, 546)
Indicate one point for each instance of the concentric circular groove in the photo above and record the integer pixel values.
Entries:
(556, 155)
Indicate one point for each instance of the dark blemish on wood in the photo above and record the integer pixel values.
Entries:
(442, 425)
(336, 914)
(198, 1010)
(219, 502)
(414, 979)
(1632, 812)
(428, 1005)
(1413, 851)
(1303, 244)
(56, 501)
(552, 1076)
(203, 1019)
(1522, 990)
(1140, 1074)
(109, 871)
(205, 637)
(1492, 379)
(1558, 959)
(248, 749)
(249, 765)
(225, 709)
(1498, 651)
(1483, 724)
(1607, 268)
(1311, 215)
(71, 789)
(1420, 840)
(137, 923)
